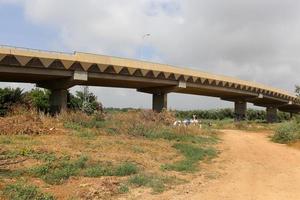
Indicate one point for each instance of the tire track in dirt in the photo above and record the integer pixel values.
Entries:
(251, 167)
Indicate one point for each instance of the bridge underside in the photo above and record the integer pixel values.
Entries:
(58, 75)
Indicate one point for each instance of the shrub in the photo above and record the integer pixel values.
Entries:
(126, 169)
(38, 99)
(98, 171)
(86, 102)
(8, 98)
(287, 132)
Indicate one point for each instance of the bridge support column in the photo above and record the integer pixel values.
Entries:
(240, 109)
(58, 101)
(159, 102)
(271, 115)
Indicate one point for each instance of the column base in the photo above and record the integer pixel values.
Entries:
(271, 115)
(159, 102)
(58, 101)
(240, 109)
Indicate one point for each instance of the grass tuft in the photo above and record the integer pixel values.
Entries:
(58, 172)
(192, 154)
(158, 183)
(126, 169)
(21, 191)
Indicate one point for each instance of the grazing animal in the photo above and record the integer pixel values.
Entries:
(177, 123)
(187, 122)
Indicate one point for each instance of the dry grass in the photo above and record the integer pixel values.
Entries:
(27, 122)
(143, 138)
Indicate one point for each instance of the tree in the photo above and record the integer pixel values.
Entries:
(85, 101)
(9, 97)
(297, 90)
(38, 99)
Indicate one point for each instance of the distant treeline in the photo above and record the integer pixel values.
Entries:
(227, 113)
(213, 114)
(39, 99)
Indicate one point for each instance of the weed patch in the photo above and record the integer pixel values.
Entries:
(123, 189)
(58, 172)
(287, 132)
(192, 154)
(157, 183)
(29, 153)
(124, 169)
(21, 191)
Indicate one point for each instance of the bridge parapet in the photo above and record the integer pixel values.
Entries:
(43, 67)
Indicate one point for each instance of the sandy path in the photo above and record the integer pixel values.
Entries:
(252, 168)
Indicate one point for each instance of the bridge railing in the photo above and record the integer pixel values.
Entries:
(34, 50)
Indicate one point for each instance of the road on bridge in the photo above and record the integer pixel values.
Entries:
(251, 167)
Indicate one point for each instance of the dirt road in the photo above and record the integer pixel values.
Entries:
(250, 168)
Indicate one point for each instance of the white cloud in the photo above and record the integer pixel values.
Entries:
(252, 39)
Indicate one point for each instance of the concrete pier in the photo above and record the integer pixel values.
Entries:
(271, 115)
(159, 102)
(240, 109)
(58, 101)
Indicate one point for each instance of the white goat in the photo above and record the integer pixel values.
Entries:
(187, 122)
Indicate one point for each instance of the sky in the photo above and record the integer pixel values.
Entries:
(255, 40)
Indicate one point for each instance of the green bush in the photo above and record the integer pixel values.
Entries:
(38, 99)
(86, 102)
(126, 169)
(287, 132)
(8, 98)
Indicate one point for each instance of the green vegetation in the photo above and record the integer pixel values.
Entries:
(102, 137)
(38, 99)
(192, 154)
(59, 171)
(87, 102)
(287, 132)
(227, 113)
(8, 98)
(124, 169)
(21, 191)
(158, 183)
(56, 172)
(29, 153)
(123, 189)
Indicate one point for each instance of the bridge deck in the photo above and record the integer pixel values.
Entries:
(43, 67)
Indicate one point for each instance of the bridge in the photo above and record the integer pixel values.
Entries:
(59, 71)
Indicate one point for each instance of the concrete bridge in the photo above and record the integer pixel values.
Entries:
(60, 71)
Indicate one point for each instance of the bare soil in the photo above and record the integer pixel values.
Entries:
(250, 167)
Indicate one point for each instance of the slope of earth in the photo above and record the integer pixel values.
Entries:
(251, 167)
(119, 155)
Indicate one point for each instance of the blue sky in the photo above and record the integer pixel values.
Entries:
(17, 31)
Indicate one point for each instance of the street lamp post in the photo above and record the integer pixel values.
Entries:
(141, 48)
